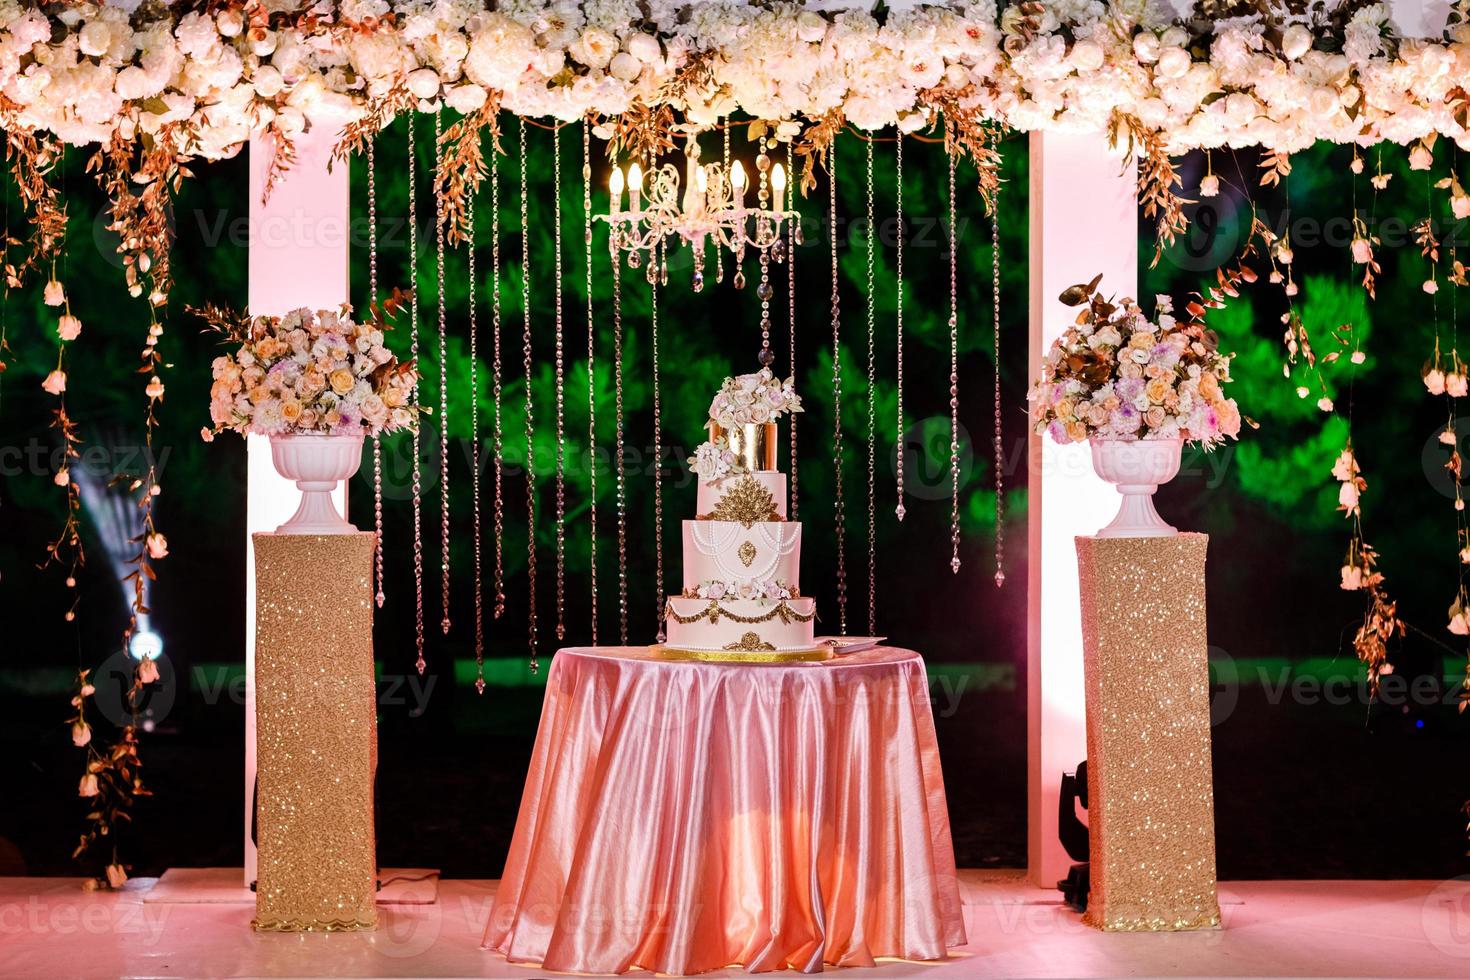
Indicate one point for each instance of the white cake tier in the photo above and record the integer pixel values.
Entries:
(741, 624)
(746, 503)
(731, 553)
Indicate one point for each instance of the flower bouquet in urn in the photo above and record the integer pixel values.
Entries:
(1137, 390)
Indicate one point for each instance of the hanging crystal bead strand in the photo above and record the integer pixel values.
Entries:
(531, 623)
(372, 179)
(443, 386)
(658, 458)
(591, 369)
(839, 508)
(900, 435)
(954, 376)
(497, 384)
(793, 240)
(763, 290)
(561, 443)
(418, 508)
(619, 470)
(475, 457)
(1000, 527)
(872, 410)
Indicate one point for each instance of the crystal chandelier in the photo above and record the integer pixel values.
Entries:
(712, 210)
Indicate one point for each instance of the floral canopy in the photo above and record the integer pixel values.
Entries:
(156, 84)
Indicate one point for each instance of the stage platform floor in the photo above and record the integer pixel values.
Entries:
(50, 929)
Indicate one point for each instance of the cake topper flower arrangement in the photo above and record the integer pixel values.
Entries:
(310, 372)
(747, 399)
(1116, 375)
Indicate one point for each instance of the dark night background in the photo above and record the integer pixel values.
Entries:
(1308, 784)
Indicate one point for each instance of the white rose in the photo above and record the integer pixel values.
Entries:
(465, 98)
(1296, 42)
(1175, 36)
(424, 83)
(1153, 112)
(811, 27)
(1173, 63)
(595, 48)
(94, 38)
(230, 23)
(1323, 102)
(268, 81)
(1241, 108)
(645, 48)
(500, 53)
(625, 67)
(1087, 55)
(1146, 47)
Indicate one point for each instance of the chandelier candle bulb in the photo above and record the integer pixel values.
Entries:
(635, 188)
(615, 188)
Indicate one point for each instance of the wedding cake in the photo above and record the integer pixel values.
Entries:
(741, 596)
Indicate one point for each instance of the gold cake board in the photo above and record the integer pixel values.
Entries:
(803, 655)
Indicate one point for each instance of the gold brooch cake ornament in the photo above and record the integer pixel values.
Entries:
(746, 503)
(746, 554)
(750, 641)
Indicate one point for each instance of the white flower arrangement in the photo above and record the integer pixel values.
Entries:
(753, 398)
(1283, 79)
(745, 589)
(745, 399)
(311, 372)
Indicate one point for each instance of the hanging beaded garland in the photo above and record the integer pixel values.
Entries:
(725, 125)
(561, 446)
(591, 365)
(658, 458)
(872, 410)
(954, 377)
(620, 475)
(899, 434)
(475, 457)
(839, 509)
(418, 507)
(372, 179)
(443, 387)
(763, 290)
(531, 625)
(793, 240)
(1000, 529)
(496, 381)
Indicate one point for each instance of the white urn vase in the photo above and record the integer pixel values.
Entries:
(317, 462)
(1137, 467)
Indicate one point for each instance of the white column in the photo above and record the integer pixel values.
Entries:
(298, 257)
(1084, 221)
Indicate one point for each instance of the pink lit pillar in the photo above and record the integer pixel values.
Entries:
(1084, 220)
(299, 244)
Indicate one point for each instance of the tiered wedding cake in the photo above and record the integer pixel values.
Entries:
(742, 598)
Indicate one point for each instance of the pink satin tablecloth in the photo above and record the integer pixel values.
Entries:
(681, 817)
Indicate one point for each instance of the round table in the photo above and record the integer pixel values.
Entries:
(683, 816)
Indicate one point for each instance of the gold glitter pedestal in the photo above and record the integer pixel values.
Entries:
(316, 732)
(1151, 806)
